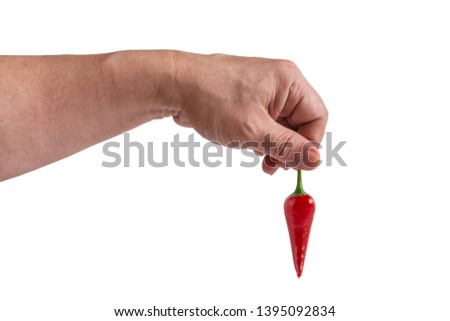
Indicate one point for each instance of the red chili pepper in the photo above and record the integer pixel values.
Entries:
(299, 210)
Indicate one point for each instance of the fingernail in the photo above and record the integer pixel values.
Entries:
(314, 154)
(270, 162)
(272, 171)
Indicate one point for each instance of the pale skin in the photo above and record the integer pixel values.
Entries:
(54, 106)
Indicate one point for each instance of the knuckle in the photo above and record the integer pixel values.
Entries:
(288, 71)
(287, 63)
(322, 110)
(319, 111)
(325, 113)
(287, 66)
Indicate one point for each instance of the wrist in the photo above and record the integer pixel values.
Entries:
(189, 72)
(144, 82)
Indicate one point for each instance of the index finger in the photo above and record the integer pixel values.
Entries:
(309, 115)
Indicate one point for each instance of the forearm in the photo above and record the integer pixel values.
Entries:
(54, 106)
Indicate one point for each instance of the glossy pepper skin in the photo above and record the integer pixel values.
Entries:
(299, 210)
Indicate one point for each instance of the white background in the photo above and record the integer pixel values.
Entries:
(78, 240)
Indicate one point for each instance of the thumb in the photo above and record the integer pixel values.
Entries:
(290, 149)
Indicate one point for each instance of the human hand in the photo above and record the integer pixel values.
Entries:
(238, 99)
(55, 106)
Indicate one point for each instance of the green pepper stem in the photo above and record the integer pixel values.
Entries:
(299, 189)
